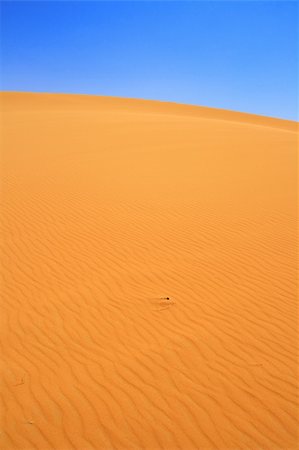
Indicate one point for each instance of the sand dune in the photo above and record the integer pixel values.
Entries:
(110, 204)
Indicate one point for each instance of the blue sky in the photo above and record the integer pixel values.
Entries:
(238, 55)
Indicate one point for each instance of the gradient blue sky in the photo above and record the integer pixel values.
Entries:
(239, 55)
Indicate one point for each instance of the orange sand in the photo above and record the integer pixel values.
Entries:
(109, 204)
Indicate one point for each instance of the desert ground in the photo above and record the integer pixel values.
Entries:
(110, 205)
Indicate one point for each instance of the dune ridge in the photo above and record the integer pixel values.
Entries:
(109, 206)
(90, 102)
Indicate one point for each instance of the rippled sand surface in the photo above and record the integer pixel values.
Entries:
(110, 205)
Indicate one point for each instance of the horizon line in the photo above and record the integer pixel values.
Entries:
(195, 105)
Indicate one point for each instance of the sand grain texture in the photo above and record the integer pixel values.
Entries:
(109, 204)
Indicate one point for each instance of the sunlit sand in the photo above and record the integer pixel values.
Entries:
(149, 276)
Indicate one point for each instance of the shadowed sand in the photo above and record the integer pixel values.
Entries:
(110, 205)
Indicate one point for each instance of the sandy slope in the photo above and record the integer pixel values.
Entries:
(110, 204)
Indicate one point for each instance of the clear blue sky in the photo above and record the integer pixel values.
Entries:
(239, 55)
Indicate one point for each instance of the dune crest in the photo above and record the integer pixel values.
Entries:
(108, 207)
